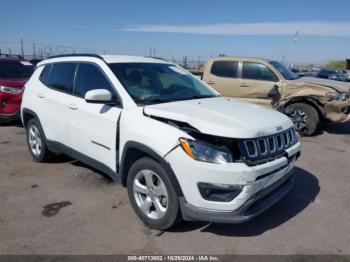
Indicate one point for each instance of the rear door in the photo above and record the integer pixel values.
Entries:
(92, 128)
(55, 89)
(256, 82)
(222, 75)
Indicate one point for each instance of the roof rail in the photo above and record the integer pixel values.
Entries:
(77, 54)
(155, 57)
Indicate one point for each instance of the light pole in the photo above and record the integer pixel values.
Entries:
(22, 50)
(296, 35)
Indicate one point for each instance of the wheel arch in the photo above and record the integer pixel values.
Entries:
(27, 115)
(134, 151)
(309, 101)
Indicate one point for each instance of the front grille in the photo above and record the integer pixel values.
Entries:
(269, 146)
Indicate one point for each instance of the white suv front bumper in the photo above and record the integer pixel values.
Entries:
(264, 184)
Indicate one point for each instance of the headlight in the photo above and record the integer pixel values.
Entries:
(202, 151)
(337, 96)
(10, 90)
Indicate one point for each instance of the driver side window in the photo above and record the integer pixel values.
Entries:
(257, 71)
(88, 78)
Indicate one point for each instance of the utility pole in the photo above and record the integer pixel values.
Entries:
(296, 35)
(34, 56)
(185, 61)
(22, 50)
(150, 52)
(10, 51)
(41, 53)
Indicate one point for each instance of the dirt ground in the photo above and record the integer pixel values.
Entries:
(66, 208)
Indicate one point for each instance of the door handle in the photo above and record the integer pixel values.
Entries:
(72, 106)
(244, 85)
(210, 83)
(41, 95)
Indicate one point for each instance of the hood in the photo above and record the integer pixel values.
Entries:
(14, 82)
(225, 117)
(341, 87)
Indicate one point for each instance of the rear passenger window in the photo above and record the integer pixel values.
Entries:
(225, 68)
(256, 71)
(90, 77)
(61, 77)
(44, 76)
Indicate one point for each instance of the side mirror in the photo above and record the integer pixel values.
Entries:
(274, 92)
(98, 96)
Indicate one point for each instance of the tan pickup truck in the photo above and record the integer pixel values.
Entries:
(308, 101)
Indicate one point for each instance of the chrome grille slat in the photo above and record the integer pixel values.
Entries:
(274, 148)
(280, 142)
(265, 147)
(265, 151)
(256, 153)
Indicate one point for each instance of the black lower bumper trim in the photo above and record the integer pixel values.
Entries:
(253, 207)
(11, 117)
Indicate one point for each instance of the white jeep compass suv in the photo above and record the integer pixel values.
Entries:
(181, 150)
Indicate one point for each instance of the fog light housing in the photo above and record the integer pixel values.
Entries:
(219, 192)
(346, 110)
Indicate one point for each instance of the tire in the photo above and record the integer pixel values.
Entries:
(36, 142)
(305, 118)
(144, 174)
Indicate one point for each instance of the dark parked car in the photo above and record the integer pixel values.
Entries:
(302, 72)
(332, 74)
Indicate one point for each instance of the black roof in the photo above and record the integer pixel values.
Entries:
(69, 55)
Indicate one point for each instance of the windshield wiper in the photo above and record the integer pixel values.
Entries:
(195, 97)
(151, 101)
(159, 100)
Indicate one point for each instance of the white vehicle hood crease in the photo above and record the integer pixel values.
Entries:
(223, 117)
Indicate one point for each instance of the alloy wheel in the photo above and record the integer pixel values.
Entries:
(150, 194)
(299, 119)
(35, 141)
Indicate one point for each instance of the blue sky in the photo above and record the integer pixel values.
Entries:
(176, 28)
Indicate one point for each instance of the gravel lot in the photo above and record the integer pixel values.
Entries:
(67, 208)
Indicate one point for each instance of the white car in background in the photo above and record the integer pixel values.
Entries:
(181, 150)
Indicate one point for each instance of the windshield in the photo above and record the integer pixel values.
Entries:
(284, 71)
(152, 83)
(14, 69)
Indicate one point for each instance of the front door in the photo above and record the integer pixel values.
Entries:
(259, 84)
(92, 128)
